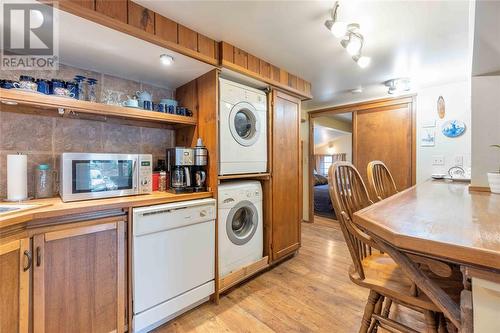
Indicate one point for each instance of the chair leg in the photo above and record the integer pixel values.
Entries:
(442, 324)
(369, 309)
(430, 321)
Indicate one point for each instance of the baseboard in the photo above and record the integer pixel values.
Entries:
(242, 274)
(479, 188)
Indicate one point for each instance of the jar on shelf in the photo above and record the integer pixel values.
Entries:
(43, 181)
(91, 90)
(80, 81)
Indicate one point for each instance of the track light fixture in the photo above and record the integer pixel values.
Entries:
(352, 39)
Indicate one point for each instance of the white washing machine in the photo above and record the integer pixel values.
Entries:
(240, 221)
(243, 129)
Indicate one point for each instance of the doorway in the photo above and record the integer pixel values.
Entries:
(382, 129)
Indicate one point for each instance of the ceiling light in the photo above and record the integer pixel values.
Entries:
(339, 29)
(166, 60)
(363, 61)
(354, 44)
(398, 85)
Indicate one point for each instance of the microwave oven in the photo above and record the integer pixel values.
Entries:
(95, 176)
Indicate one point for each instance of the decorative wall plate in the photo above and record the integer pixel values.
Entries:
(453, 128)
(441, 107)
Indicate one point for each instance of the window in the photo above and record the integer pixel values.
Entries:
(326, 162)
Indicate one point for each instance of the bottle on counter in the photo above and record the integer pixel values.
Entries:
(43, 181)
(162, 184)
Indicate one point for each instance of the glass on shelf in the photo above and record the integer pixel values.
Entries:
(80, 82)
(91, 90)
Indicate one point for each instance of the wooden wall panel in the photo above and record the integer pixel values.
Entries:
(283, 77)
(206, 45)
(165, 28)
(265, 69)
(227, 52)
(89, 4)
(141, 17)
(240, 58)
(116, 9)
(187, 38)
(275, 73)
(292, 81)
(253, 64)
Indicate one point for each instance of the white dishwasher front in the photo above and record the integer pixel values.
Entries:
(173, 260)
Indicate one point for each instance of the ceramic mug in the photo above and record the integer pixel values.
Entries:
(8, 84)
(43, 86)
(58, 91)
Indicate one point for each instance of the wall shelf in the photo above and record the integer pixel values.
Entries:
(11, 98)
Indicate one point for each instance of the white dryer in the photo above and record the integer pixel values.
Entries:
(243, 129)
(240, 222)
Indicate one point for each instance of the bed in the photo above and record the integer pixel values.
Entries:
(322, 202)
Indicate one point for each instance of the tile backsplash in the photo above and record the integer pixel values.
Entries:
(44, 138)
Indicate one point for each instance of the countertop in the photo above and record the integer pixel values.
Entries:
(439, 219)
(54, 207)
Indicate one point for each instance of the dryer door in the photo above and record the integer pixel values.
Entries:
(244, 124)
(242, 222)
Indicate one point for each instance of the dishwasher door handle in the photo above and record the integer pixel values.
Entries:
(162, 211)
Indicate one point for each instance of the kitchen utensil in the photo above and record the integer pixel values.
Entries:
(26, 82)
(7, 84)
(43, 86)
(143, 96)
(147, 105)
(63, 92)
(131, 102)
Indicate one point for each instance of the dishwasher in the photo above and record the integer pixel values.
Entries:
(173, 261)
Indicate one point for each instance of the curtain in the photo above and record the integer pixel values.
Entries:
(318, 159)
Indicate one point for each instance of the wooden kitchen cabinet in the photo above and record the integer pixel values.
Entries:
(79, 278)
(15, 265)
(286, 175)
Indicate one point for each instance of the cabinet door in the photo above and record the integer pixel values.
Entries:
(79, 279)
(15, 262)
(286, 175)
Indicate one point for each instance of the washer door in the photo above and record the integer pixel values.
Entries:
(244, 124)
(242, 222)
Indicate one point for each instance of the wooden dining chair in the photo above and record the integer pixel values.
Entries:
(373, 269)
(380, 180)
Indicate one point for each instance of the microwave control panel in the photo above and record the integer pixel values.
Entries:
(145, 174)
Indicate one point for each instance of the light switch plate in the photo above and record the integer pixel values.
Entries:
(438, 160)
(459, 160)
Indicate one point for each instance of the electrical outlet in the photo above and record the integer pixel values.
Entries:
(438, 160)
(459, 160)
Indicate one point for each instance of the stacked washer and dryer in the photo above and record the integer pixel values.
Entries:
(242, 150)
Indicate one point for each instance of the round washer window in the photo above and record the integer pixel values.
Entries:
(242, 223)
(244, 124)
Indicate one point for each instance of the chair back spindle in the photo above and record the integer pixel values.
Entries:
(380, 180)
(348, 193)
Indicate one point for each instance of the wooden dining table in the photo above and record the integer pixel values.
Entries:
(446, 222)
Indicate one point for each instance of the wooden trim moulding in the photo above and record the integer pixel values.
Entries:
(242, 274)
(361, 106)
(131, 30)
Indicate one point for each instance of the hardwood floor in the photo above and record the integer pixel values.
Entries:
(310, 292)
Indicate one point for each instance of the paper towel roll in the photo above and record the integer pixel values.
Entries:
(17, 177)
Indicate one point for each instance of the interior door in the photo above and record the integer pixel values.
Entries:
(15, 264)
(286, 175)
(386, 134)
(79, 279)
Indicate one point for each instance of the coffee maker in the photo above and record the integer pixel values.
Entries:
(199, 169)
(180, 163)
